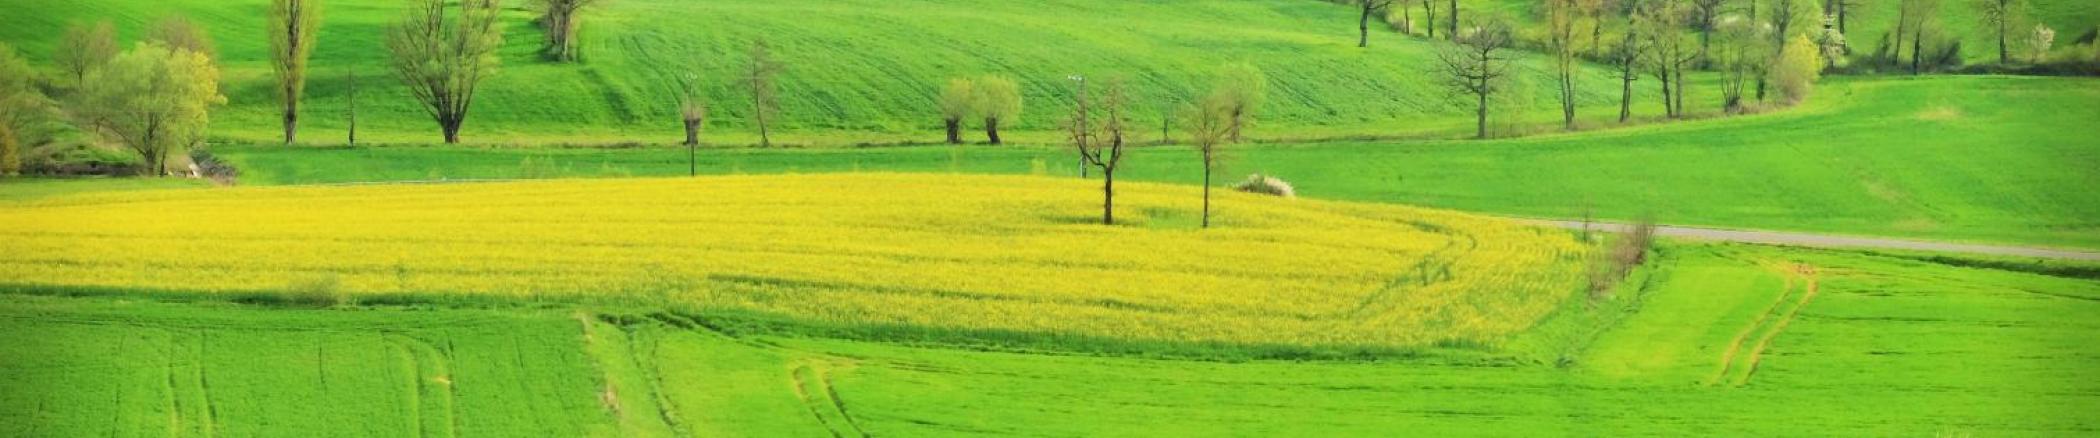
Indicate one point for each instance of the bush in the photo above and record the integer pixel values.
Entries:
(10, 153)
(318, 292)
(1266, 185)
(1796, 73)
(1629, 251)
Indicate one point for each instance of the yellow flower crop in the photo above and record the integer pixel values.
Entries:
(937, 251)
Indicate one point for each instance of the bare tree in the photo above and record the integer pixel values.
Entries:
(1452, 30)
(1210, 127)
(1740, 53)
(84, 49)
(561, 19)
(1363, 19)
(1705, 13)
(351, 79)
(443, 58)
(1429, 17)
(1667, 54)
(294, 26)
(1564, 41)
(1477, 64)
(1103, 149)
(1913, 18)
(1627, 56)
(759, 76)
(1241, 88)
(2001, 16)
(179, 32)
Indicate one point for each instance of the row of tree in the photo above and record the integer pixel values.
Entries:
(1211, 122)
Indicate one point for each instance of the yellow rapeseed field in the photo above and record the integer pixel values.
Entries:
(935, 251)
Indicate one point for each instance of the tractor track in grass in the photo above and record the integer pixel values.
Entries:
(1816, 240)
(1737, 365)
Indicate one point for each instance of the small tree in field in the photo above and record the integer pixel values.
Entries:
(692, 110)
(154, 99)
(1740, 53)
(1102, 149)
(1241, 89)
(1476, 65)
(443, 58)
(1210, 127)
(998, 99)
(178, 32)
(561, 18)
(1565, 21)
(295, 25)
(83, 49)
(956, 101)
(1796, 70)
(2001, 17)
(759, 76)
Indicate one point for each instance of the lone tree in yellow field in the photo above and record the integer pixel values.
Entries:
(998, 99)
(1102, 149)
(443, 58)
(294, 26)
(1210, 126)
(154, 99)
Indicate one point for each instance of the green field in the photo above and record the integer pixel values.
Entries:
(1969, 158)
(1825, 343)
(560, 274)
(858, 71)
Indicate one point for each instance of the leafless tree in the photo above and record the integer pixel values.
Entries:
(1102, 149)
(1363, 19)
(759, 75)
(560, 17)
(1477, 64)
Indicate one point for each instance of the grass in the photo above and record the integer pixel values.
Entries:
(1983, 159)
(1888, 346)
(985, 253)
(858, 71)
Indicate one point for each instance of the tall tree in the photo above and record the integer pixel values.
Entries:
(1564, 41)
(154, 99)
(759, 74)
(1429, 17)
(1451, 30)
(1367, 9)
(1913, 18)
(443, 58)
(1627, 56)
(295, 25)
(1668, 55)
(1102, 149)
(561, 18)
(956, 101)
(1740, 53)
(2001, 16)
(1241, 88)
(351, 95)
(1476, 65)
(998, 100)
(1210, 128)
(84, 49)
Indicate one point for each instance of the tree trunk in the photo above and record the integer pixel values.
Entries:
(692, 132)
(1363, 27)
(1625, 95)
(451, 129)
(692, 157)
(765, 138)
(291, 120)
(1669, 110)
(1236, 120)
(1917, 50)
(1108, 195)
(1567, 97)
(1678, 74)
(2003, 56)
(1453, 31)
(1454, 22)
(1482, 113)
(1429, 18)
(991, 130)
(1206, 190)
(954, 131)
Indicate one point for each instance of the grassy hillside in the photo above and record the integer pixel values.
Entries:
(1993, 159)
(858, 70)
(983, 257)
(1860, 345)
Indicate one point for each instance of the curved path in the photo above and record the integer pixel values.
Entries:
(1831, 241)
